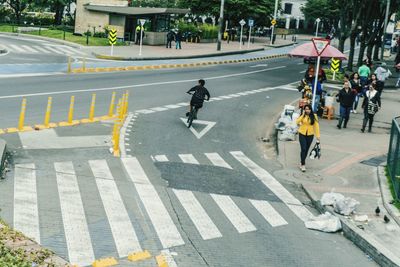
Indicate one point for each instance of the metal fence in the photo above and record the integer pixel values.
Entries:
(393, 159)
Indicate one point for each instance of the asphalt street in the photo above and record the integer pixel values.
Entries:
(216, 186)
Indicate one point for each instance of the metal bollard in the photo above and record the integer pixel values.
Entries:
(126, 103)
(112, 104)
(92, 107)
(71, 109)
(22, 115)
(69, 68)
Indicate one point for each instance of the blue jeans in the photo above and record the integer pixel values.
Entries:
(363, 81)
(345, 112)
(316, 103)
(178, 45)
(356, 100)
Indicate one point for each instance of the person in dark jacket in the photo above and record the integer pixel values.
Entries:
(371, 105)
(178, 39)
(357, 90)
(346, 99)
(200, 93)
(170, 38)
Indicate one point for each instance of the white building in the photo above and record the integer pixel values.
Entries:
(291, 10)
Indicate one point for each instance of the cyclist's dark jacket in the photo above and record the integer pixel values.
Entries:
(199, 94)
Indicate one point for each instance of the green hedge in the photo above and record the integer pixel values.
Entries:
(208, 31)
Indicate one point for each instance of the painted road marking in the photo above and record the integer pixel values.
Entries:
(29, 49)
(139, 85)
(209, 125)
(80, 250)
(217, 160)
(41, 49)
(73, 50)
(52, 49)
(233, 213)
(145, 111)
(161, 158)
(26, 214)
(173, 106)
(16, 48)
(268, 212)
(124, 235)
(269, 181)
(167, 232)
(188, 158)
(159, 109)
(203, 223)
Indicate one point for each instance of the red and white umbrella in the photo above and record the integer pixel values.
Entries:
(308, 50)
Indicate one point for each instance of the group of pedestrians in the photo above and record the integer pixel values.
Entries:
(174, 36)
(363, 84)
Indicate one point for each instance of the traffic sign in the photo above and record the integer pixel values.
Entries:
(251, 22)
(273, 22)
(112, 36)
(335, 64)
(320, 44)
(242, 22)
(142, 21)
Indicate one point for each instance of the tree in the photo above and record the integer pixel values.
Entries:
(326, 10)
(17, 6)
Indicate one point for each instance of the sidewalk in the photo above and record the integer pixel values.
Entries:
(189, 50)
(349, 165)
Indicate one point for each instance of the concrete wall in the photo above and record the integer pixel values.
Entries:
(88, 19)
(296, 12)
(154, 38)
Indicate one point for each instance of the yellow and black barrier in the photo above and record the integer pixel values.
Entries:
(83, 69)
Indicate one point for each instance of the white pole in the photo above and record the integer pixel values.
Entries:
(316, 31)
(241, 36)
(334, 76)
(273, 26)
(141, 40)
(112, 49)
(220, 24)
(248, 41)
(315, 81)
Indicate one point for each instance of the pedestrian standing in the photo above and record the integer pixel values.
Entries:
(382, 73)
(357, 91)
(308, 127)
(170, 38)
(178, 40)
(364, 72)
(346, 99)
(371, 105)
(318, 95)
(310, 73)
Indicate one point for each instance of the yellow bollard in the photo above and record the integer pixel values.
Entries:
(48, 112)
(71, 120)
(69, 68)
(112, 104)
(91, 112)
(84, 64)
(22, 115)
(126, 103)
(21, 121)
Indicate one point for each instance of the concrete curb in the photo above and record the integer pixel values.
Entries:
(393, 212)
(102, 56)
(280, 46)
(369, 245)
(167, 66)
(75, 45)
(3, 155)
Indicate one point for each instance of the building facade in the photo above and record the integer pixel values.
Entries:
(291, 11)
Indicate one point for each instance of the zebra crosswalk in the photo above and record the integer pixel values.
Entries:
(44, 49)
(111, 179)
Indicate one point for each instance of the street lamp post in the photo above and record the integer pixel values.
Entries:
(384, 28)
(220, 24)
(318, 20)
(273, 26)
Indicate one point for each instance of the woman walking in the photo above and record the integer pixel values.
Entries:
(356, 88)
(346, 99)
(371, 105)
(309, 127)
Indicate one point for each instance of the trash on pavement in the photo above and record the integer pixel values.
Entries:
(341, 204)
(326, 222)
(287, 124)
(361, 218)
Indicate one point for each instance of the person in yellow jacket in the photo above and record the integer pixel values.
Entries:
(308, 127)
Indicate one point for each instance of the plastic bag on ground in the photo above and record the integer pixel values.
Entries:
(346, 206)
(325, 222)
(329, 199)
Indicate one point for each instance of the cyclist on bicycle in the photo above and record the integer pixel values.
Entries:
(199, 95)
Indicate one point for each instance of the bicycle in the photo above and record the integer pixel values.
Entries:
(192, 115)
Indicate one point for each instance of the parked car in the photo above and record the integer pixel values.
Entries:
(313, 60)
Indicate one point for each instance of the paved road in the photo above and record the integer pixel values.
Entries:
(211, 201)
(28, 51)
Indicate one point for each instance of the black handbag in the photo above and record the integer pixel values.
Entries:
(316, 151)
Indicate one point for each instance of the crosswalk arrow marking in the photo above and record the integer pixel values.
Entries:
(209, 125)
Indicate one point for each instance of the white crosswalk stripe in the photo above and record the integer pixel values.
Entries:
(79, 245)
(29, 49)
(16, 48)
(26, 214)
(78, 229)
(159, 216)
(73, 50)
(203, 223)
(125, 237)
(188, 158)
(54, 50)
(41, 49)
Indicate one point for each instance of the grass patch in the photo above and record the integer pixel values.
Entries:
(389, 180)
(338, 77)
(59, 34)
